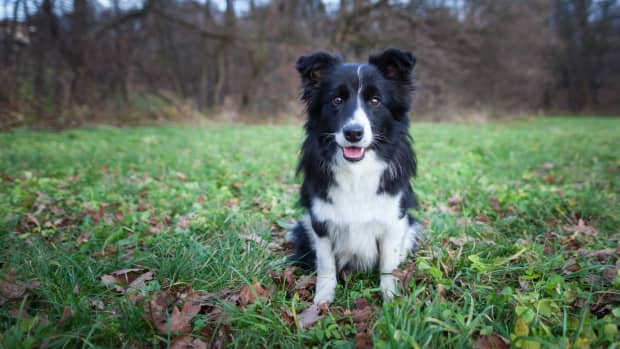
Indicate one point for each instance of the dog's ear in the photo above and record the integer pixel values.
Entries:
(312, 67)
(395, 64)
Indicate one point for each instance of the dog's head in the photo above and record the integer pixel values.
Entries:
(358, 106)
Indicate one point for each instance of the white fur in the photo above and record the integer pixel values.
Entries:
(359, 219)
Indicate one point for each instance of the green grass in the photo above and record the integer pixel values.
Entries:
(503, 252)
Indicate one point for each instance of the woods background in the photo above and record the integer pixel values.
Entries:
(65, 63)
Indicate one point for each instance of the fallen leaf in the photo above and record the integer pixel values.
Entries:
(11, 290)
(582, 228)
(309, 317)
(570, 267)
(141, 281)
(123, 279)
(180, 321)
(187, 342)
(483, 218)
(405, 275)
(362, 314)
(285, 279)
(248, 294)
(601, 255)
(83, 238)
(67, 313)
(305, 285)
(287, 316)
(155, 310)
(363, 340)
(491, 342)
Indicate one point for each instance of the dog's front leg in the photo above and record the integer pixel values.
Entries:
(325, 271)
(390, 246)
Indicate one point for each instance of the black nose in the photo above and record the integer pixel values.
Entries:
(353, 133)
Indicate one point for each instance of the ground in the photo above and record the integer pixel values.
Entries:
(150, 237)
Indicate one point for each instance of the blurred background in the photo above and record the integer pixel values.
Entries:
(66, 63)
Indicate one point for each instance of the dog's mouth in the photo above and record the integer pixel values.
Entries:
(353, 153)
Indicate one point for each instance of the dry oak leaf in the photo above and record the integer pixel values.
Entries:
(123, 279)
(175, 322)
(248, 294)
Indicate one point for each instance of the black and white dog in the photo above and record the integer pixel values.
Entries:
(357, 163)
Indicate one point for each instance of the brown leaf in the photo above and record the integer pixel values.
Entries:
(491, 342)
(362, 314)
(601, 255)
(187, 342)
(305, 282)
(483, 218)
(141, 280)
(248, 294)
(363, 340)
(155, 311)
(570, 267)
(405, 275)
(122, 279)
(67, 313)
(76, 288)
(180, 321)
(582, 228)
(309, 317)
(285, 279)
(83, 238)
(287, 316)
(11, 290)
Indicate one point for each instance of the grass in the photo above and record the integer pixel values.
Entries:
(521, 239)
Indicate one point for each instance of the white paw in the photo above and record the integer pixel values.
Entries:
(325, 290)
(388, 287)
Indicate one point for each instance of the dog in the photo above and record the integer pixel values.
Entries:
(357, 163)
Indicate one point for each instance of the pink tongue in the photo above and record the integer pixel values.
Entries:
(353, 152)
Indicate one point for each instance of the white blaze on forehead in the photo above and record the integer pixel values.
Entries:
(359, 115)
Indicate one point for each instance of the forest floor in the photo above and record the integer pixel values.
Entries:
(174, 236)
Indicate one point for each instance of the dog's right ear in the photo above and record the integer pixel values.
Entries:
(311, 68)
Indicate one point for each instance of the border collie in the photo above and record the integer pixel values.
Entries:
(357, 163)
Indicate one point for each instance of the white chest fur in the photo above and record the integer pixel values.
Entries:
(356, 215)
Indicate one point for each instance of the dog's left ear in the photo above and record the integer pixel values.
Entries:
(395, 64)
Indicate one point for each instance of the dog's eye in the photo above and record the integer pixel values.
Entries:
(337, 101)
(374, 101)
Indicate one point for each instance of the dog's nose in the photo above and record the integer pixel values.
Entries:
(353, 133)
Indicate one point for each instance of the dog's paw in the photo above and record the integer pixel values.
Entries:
(388, 287)
(325, 291)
